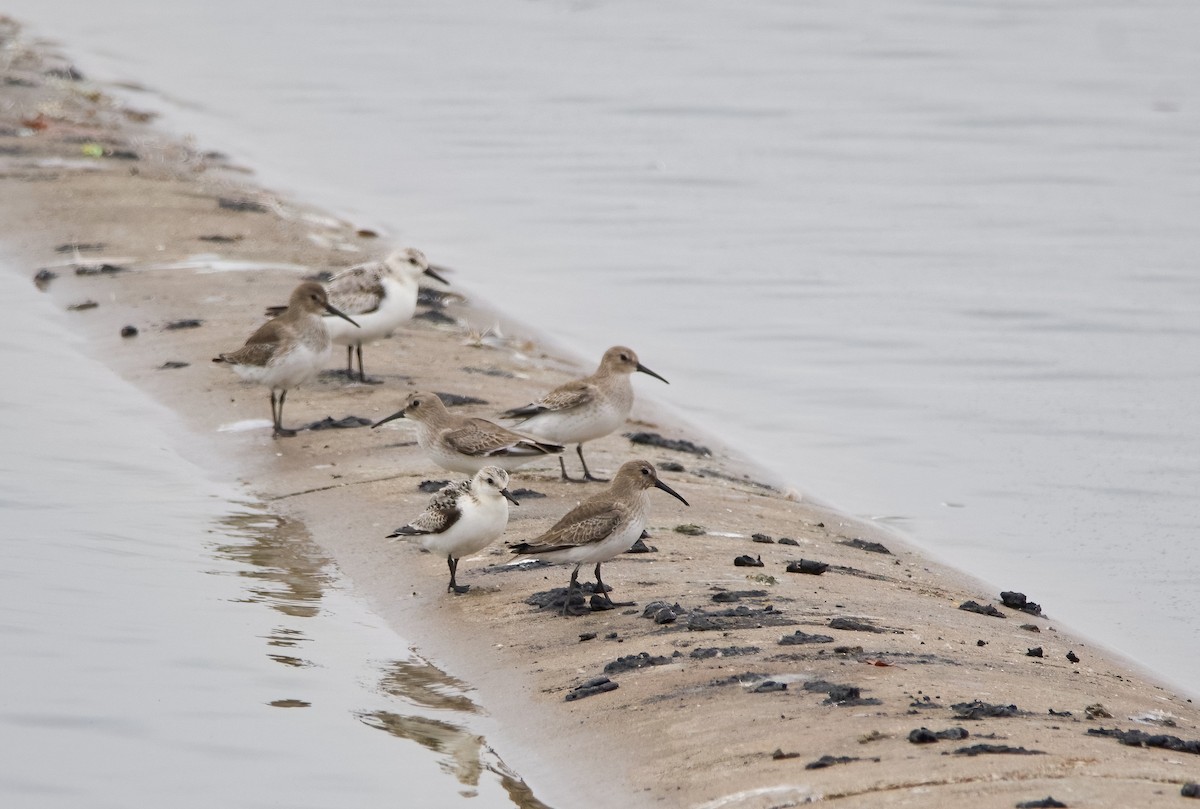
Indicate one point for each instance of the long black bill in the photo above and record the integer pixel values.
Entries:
(646, 370)
(432, 273)
(508, 496)
(658, 484)
(397, 415)
(335, 311)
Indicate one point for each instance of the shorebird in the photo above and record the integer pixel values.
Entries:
(462, 519)
(601, 527)
(463, 444)
(380, 295)
(586, 408)
(288, 350)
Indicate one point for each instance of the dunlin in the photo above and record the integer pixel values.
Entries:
(288, 350)
(380, 295)
(601, 527)
(462, 519)
(463, 444)
(586, 408)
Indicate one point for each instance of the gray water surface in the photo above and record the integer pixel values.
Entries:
(167, 644)
(933, 262)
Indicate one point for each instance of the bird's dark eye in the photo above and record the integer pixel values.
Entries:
(645, 471)
(625, 357)
(491, 482)
(416, 403)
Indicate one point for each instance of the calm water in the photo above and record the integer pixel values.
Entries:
(933, 262)
(165, 644)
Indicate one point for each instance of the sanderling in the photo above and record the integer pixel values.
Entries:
(601, 527)
(288, 350)
(586, 408)
(464, 444)
(462, 519)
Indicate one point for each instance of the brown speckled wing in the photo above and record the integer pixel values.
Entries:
(441, 513)
(570, 395)
(481, 438)
(356, 291)
(586, 523)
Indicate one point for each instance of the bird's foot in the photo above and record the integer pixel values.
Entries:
(458, 589)
(369, 380)
(575, 610)
(283, 432)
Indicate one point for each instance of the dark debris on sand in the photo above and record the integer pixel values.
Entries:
(189, 323)
(975, 606)
(1138, 738)
(457, 400)
(730, 596)
(843, 695)
(640, 660)
(924, 735)
(864, 545)
(596, 685)
(99, 269)
(829, 761)
(346, 423)
(996, 749)
(1017, 601)
(799, 638)
(1044, 803)
(676, 445)
(982, 710)
(859, 625)
(1190, 790)
(707, 652)
(641, 547)
(241, 205)
(808, 566)
(556, 597)
(748, 561)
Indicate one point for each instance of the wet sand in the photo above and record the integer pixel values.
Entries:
(686, 725)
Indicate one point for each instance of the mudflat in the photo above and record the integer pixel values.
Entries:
(765, 651)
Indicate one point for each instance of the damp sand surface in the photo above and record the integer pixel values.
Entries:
(712, 704)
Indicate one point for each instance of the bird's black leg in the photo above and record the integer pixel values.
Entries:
(563, 467)
(568, 609)
(350, 363)
(455, 587)
(280, 431)
(586, 474)
(601, 588)
(362, 375)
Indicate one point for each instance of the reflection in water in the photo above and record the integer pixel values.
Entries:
(464, 754)
(426, 685)
(290, 574)
(292, 571)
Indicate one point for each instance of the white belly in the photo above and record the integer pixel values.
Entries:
(480, 524)
(286, 371)
(578, 425)
(397, 306)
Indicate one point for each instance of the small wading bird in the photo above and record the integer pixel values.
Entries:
(587, 408)
(464, 444)
(288, 350)
(462, 518)
(600, 528)
(379, 295)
